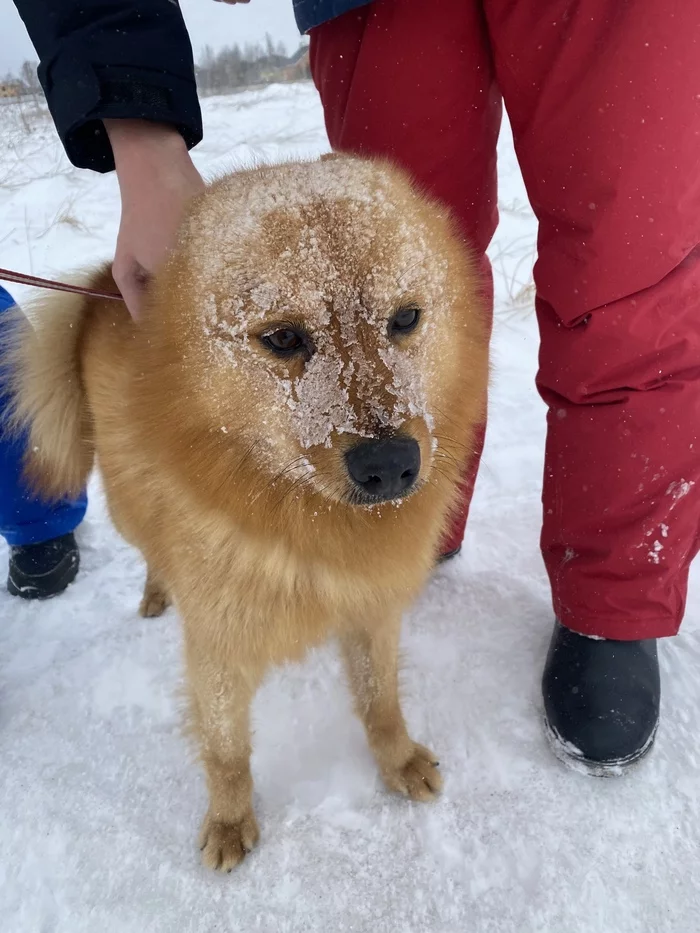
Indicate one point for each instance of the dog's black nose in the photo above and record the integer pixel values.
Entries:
(384, 469)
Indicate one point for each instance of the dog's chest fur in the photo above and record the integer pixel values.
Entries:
(262, 597)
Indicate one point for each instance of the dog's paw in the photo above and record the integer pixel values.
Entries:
(154, 602)
(418, 777)
(225, 845)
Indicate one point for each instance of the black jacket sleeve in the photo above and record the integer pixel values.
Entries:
(112, 58)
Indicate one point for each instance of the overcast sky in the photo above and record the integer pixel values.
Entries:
(214, 23)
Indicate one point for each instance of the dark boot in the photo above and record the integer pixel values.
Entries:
(601, 700)
(39, 571)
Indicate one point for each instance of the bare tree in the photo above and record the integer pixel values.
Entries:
(29, 78)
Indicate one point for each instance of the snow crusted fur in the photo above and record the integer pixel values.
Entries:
(224, 460)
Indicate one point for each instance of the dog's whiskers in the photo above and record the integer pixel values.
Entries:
(289, 490)
(246, 455)
(402, 276)
(289, 468)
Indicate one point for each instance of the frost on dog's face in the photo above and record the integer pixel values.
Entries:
(326, 319)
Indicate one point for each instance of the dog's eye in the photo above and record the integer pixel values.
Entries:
(404, 321)
(285, 341)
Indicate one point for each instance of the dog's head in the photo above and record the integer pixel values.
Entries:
(322, 322)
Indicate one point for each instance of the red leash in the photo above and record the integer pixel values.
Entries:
(20, 279)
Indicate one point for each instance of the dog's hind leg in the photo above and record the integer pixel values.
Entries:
(155, 599)
(371, 658)
(221, 707)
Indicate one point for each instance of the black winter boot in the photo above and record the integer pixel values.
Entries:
(450, 555)
(39, 571)
(601, 700)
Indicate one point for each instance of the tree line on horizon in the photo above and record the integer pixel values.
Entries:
(228, 69)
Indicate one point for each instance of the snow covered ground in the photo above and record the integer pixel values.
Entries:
(100, 798)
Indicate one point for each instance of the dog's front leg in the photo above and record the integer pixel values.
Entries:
(155, 599)
(371, 658)
(221, 704)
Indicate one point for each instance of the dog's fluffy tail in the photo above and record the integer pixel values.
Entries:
(41, 372)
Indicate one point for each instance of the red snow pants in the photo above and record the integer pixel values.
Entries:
(604, 100)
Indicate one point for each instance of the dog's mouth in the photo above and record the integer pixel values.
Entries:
(356, 497)
(383, 470)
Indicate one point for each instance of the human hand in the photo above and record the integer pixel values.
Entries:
(157, 178)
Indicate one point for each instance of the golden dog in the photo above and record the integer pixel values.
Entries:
(282, 436)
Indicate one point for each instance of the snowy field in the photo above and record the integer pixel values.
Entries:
(101, 799)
